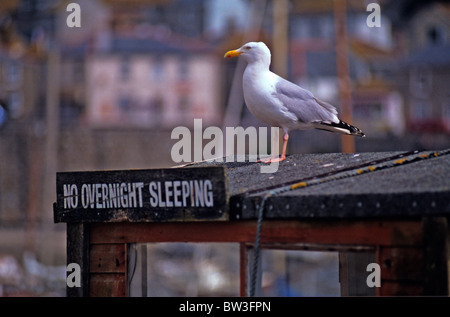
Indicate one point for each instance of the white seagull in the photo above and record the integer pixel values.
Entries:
(280, 103)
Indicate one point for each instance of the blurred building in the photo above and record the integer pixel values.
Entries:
(425, 72)
(376, 105)
(185, 17)
(140, 65)
(151, 83)
(137, 68)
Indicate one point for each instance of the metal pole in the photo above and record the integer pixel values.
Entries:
(280, 44)
(343, 74)
(144, 270)
(280, 62)
(280, 37)
(50, 154)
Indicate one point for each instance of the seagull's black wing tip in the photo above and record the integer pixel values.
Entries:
(341, 127)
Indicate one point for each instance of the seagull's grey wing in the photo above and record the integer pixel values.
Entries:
(303, 104)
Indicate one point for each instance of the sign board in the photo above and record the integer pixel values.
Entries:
(174, 194)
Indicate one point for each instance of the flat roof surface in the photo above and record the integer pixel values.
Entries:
(337, 185)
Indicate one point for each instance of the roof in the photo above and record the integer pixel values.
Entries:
(434, 55)
(378, 185)
(156, 40)
(320, 6)
(171, 44)
(323, 63)
(368, 51)
(336, 185)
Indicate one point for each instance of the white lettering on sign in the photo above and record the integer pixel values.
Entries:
(100, 196)
(192, 193)
(70, 196)
(163, 194)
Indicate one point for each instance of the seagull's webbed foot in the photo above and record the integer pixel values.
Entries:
(272, 160)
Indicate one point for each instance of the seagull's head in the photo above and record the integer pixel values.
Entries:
(252, 52)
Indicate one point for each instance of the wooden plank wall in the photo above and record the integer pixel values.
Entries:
(108, 270)
(399, 247)
(401, 262)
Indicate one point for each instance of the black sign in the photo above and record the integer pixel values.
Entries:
(176, 194)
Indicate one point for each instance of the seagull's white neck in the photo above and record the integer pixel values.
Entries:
(260, 62)
(256, 67)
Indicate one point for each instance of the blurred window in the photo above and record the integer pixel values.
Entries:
(446, 107)
(125, 69)
(183, 69)
(3, 113)
(15, 103)
(78, 71)
(125, 103)
(435, 35)
(12, 72)
(315, 28)
(420, 109)
(157, 69)
(420, 81)
(184, 105)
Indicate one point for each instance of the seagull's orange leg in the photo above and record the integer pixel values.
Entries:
(283, 153)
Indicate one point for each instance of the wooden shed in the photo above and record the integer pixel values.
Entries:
(394, 205)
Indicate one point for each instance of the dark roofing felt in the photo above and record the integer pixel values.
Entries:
(335, 185)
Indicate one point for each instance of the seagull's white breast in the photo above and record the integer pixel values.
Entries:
(259, 88)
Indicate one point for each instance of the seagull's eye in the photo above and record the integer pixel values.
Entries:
(247, 47)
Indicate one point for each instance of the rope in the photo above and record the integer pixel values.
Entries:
(256, 248)
(397, 160)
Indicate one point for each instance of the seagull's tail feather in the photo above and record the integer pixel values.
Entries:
(341, 127)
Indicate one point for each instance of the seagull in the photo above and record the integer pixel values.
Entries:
(281, 103)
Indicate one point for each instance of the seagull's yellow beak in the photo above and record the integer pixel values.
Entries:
(232, 53)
